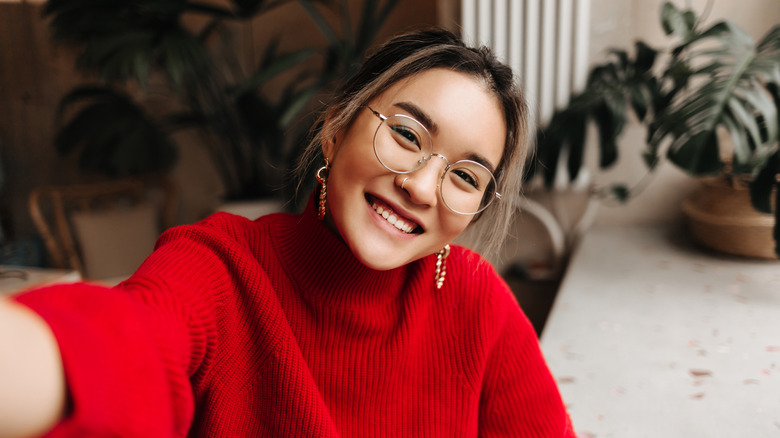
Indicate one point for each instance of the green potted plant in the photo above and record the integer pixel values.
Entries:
(710, 104)
(163, 66)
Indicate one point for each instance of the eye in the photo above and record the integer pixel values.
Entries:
(464, 176)
(406, 137)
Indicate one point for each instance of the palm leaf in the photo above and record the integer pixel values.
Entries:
(728, 97)
(112, 134)
(321, 22)
(271, 67)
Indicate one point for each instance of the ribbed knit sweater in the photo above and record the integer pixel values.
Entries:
(272, 328)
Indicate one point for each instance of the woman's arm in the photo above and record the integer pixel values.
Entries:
(33, 394)
(97, 361)
(519, 394)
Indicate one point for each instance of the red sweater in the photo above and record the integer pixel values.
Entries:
(272, 328)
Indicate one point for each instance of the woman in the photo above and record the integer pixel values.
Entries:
(355, 318)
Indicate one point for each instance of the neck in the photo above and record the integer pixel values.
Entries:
(324, 268)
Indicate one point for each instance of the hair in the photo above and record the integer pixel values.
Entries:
(409, 54)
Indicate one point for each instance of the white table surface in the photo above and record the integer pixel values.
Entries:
(11, 282)
(652, 337)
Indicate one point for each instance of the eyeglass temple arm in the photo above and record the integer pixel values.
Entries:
(376, 113)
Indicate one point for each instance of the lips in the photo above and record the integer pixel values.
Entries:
(395, 219)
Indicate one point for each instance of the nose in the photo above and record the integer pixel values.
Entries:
(422, 185)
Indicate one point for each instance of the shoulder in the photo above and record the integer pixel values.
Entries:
(474, 281)
(474, 275)
(201, 256)
(236, 225)
(227, 229)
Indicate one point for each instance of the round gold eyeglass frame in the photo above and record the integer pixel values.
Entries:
(422, 162)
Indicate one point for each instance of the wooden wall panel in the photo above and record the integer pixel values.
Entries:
(34, 74)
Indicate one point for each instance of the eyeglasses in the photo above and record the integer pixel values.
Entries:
(403, 145)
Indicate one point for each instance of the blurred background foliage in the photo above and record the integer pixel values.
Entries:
(163, 66)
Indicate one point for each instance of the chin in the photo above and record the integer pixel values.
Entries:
(377, 260)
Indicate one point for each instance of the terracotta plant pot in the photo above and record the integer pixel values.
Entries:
(721, 217)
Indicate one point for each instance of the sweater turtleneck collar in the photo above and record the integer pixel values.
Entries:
(326, 270)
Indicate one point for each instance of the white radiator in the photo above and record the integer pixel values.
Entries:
(545, 42)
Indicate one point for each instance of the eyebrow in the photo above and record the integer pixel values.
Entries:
(431, 126)
(420, 115)
(481, 160)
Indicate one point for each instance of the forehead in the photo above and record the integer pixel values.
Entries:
(466, 115)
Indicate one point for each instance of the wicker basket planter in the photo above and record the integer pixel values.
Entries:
(721, 217)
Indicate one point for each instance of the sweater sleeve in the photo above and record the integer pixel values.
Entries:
(129, 353)
(519, 397)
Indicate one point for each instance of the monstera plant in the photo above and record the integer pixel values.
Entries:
(162, 66)
(709, 102)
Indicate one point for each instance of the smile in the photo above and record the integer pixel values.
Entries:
(394, 219)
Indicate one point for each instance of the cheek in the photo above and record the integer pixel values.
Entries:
(453, 224)
(353, 158)
(349, 175)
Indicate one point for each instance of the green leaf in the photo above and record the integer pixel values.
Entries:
(119, 57)
(549, 144)
(639, 103)
(383, 14)
(367, 20)
(761, 186)
(680, 73)
(645, 57)
(620, 192)
(113, 135)
(610, 118)
(622, 57)
(774, 92)
(321, 22)
(765, 112)
(728, 34)
(575, 137)
(673, 20)
(277, 65)
(742, 149)
(690, 19)
(776, 229)
(768, 49)
(747, 122)
(698, 154)
(296, 105)
(651, 158)
(184, 59)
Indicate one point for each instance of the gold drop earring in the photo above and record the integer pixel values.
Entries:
(322, 178)
(441, 265)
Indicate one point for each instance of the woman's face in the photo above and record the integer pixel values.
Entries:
(465, 121)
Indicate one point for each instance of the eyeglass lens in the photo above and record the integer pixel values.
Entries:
(403, 145)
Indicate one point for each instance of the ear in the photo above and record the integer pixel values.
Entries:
(330, 141)
(328, 147)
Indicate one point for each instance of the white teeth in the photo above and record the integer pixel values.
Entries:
(403, 226)
(393, 219)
